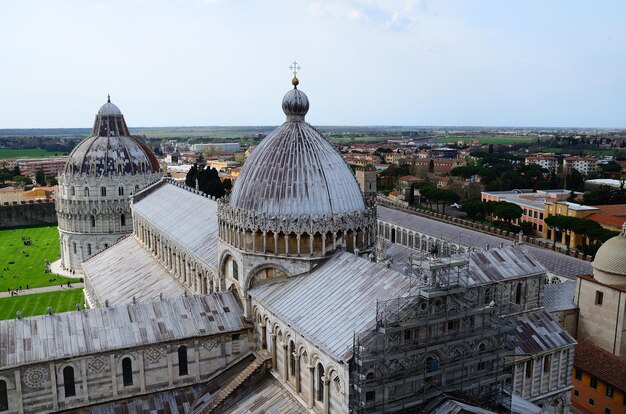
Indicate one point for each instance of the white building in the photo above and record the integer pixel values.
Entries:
(102, 172)
(584, 165)
(545, 161)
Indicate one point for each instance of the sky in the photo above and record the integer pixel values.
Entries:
(535, 63)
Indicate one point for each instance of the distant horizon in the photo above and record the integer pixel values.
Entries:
(4, 131)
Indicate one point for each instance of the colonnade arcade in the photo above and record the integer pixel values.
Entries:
(295, 236)
(418, 241)
(196, 275)
(307, 372)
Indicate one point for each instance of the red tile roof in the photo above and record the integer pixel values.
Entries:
(607, 220)
(600, 363)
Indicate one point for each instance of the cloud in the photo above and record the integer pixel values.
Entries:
(395, 15)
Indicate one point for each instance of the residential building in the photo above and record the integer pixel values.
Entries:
(584, 165)
(50, 166)
(548, 162)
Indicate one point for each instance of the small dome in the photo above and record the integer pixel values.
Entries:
(611, 256)
(109, 109)
(295, 171)
(111, 150)
(295, 105)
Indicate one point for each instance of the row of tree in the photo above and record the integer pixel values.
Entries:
(504, 212)
(591, 232)
(207, 180)
(432, 194)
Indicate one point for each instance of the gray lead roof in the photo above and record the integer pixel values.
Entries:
(337, 299)
(182, 215)
(554, 262)
(50, 337)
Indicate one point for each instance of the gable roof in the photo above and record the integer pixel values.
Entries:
(125, 271)
(64, 335)
(554, 262)
(184, 215)
(335, 300)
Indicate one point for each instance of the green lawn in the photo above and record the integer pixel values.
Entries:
(495, 140)
(37, 304)
(27, 153)
(28, 267)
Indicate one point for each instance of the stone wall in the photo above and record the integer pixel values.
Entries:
(98, 378)
(27, 213)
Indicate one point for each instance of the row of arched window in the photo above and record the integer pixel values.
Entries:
(69, 378)
(103, 191)
(92, 219)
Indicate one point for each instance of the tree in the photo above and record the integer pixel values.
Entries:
(192, 174)
(228, 184)
(52, 181)
(40, 177)
(507, 212)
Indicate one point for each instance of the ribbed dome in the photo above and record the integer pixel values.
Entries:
(110, 150)
(611, 256)
(295, 171)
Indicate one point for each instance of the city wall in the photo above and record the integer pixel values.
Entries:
(27, 213)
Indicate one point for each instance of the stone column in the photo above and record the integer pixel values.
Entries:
(298, 384)
(273, 339)
(312, 387)
(254, 242)
(285, 362)
(298, 238)
(326, 381)
(53, 378)
(275, 243)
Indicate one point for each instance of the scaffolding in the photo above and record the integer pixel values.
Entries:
(439, 339)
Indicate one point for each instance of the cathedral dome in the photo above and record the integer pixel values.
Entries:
(295, 171)
(110, 149)
(609, 265)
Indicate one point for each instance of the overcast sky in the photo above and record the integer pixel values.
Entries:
(364, 62)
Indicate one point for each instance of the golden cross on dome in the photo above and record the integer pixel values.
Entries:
(295, 68)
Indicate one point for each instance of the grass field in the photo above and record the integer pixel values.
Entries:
(37, 304)
(495, 140)
(27, 153)
(28, 267)
(570, 150)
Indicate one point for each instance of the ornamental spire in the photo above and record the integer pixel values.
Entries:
(295, 68)
(108, 98)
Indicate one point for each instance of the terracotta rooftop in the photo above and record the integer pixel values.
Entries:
(607, 219)
(600, 363)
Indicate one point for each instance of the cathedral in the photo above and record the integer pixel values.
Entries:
(288, 295)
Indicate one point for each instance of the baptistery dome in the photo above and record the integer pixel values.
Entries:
(609, 265)
(295, 171)
(102, 172)
(111, 150)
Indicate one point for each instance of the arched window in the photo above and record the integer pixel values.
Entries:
(119, 170)
(127, 371)
(143, 167)
(74, 245)
(89, 249)
(136, 188)
(292, 358)
(183, 368)
(431, 364)
(123, 220)
(235, 270)
(393, 235)
(518, 293)
(103, 191)
(320, 382)
(4, 398)
(68, 382)
(121, 191)
(72, 191)
(93, 220)
(87, 191)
